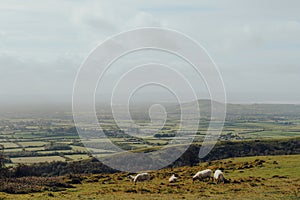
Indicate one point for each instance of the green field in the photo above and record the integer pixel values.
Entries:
(38, 144)
(77, 156)
(9, 145)
(32, 144)
(268, 177)
(37, 159)
(33, 134)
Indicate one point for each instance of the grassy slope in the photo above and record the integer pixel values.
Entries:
(259, 182)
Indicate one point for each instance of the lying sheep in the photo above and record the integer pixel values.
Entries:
(139, 177)
(202, 175)
(173, 178)
(219, 176)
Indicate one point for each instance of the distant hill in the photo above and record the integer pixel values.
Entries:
(242, 110)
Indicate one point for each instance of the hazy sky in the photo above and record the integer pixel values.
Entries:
(256, 44)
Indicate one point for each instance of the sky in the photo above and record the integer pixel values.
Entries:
(255, 44)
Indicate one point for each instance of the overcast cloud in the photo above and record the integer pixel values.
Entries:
(256, 44)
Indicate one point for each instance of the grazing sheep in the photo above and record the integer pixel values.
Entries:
(173, 178)
(219, 176)
(139, 177)
(201, 175)
(131, 178)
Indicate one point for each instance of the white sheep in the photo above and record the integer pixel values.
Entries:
(139, 177)
(131, 178)
(219, 176)
(173, 178)
(204, 174)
